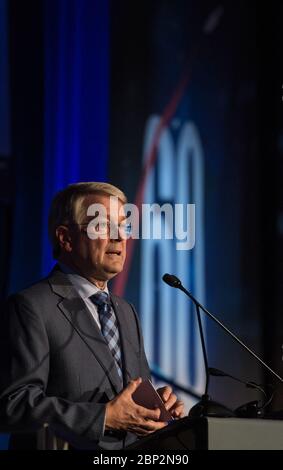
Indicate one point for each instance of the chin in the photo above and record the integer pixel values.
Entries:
(112, 272)
(108, 276)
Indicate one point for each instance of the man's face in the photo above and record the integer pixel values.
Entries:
(101, 258)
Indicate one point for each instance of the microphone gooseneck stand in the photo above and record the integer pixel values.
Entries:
(206, 406)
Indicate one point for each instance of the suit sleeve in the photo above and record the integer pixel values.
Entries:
(24, 359)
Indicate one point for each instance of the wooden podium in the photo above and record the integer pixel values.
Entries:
(216, 434)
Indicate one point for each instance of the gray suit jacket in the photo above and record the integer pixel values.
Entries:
(56, 367)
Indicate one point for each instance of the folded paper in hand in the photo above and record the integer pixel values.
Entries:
(146, 396)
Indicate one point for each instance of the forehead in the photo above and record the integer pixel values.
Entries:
(112, 204)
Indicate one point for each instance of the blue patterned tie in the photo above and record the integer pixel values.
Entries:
(109, 327)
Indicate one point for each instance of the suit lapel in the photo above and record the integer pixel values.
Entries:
(74, 309)
(129, 351)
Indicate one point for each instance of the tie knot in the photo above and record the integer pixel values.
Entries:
(100, 298)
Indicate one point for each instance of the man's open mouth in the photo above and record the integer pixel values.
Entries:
(114, 252)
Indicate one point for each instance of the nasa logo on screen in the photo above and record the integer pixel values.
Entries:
(177, 177)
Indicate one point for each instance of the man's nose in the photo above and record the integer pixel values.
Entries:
(115, 233)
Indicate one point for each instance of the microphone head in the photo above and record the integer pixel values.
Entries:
(171, 280)
(217, 372)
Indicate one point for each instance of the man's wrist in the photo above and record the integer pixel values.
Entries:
(107, 420)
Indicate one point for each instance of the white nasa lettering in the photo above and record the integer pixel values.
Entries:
(177, 177)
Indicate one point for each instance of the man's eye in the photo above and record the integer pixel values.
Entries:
(100, 226)
(126, 228)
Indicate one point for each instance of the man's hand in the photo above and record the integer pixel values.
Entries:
(123, 413)
(172, 404)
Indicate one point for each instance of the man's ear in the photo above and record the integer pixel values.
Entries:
(64, 238)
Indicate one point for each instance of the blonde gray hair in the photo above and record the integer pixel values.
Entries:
(67, 206)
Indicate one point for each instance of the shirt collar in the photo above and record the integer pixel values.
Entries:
(83, 286)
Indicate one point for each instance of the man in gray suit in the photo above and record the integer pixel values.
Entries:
(73, 354)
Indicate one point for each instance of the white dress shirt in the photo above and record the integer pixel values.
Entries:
(85, 290)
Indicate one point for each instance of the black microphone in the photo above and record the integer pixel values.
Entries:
(206, 406)
(172, 280)
(251, 409)
(203, 408)
(219, 373)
